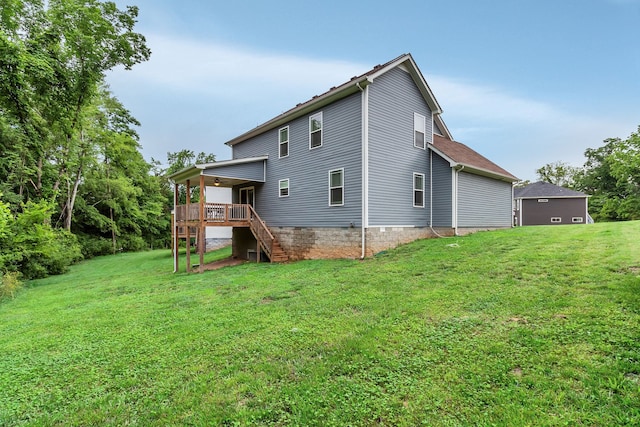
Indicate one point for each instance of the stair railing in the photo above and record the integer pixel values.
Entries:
(261, 232)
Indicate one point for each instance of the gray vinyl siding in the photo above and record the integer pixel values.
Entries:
(252, 171)
(437, 130)
(483, 202)
(393, 100)
(308, 170)
(442, 193)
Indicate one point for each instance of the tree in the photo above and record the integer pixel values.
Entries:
(120, 201)
(180, 160)
(611, 175)
(69, 156)
(558, 173)
(54, 56)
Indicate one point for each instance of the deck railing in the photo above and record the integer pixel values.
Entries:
(213, 212)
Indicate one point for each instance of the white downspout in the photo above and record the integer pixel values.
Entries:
(457, 173)
(431, 187)
(513, 200)
(521, 206)
(365, 167)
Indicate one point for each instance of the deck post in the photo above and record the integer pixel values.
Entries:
(175, 241)
(202, 230)
(187, 227)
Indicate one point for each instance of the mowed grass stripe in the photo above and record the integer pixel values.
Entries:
(528, 326)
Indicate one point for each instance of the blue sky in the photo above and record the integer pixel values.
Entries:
(523, 82)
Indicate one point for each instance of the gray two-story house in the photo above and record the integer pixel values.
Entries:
(363, 167)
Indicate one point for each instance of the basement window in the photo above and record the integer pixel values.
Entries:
(556, 219)
(577, 219)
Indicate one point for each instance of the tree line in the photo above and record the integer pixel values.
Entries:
(610, 175)
(73, 181)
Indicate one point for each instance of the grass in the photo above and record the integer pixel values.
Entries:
(529, 326)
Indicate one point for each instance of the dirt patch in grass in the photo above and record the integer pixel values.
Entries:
(227, 262)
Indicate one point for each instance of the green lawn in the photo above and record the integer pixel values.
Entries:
(529, 326)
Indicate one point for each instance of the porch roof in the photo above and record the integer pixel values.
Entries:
(225, 173)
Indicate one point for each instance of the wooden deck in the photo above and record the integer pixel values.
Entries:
(215, 214)
(192, 219)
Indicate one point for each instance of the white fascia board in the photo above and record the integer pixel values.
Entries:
(452, 162)
(232, 162)
(442, 125)
(195, 171)
(186, 173)
(487, 173)
(472, 169)
(551, 197)
(316, 103)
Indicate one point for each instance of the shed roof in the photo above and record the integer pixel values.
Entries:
(459, 154)
(547, 190)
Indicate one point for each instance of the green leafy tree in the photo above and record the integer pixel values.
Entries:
(120, 200)
(183, 159)
(54, 56)
(611, 175)
(558, 173)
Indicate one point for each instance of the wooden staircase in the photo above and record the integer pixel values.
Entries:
(266, 241)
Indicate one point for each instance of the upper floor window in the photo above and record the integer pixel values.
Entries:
(418, 190)
(283, 184)
(283, 139)
(419, 130)
(336, 187)
(315, 130)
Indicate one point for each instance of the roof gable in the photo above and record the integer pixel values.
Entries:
(459, 154)
(547, 190)
(355, 84)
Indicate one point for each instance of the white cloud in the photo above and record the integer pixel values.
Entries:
(230, 90)
(220, 70)
(482, 101)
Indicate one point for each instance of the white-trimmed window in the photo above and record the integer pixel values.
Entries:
(419, 131)
(315, 130)
(283, 140)
(336, 187)
(283, 186)
(577, 219)
(556, 219)
(418, 190)
(543, 200)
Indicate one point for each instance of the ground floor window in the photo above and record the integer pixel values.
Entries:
(336, 187)
(418, 190)
(284, 187)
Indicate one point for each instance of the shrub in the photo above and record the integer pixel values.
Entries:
(10, 283)
(34, 248)
(132, 243)
(93, 246)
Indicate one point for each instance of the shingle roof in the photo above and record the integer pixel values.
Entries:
(354, 85)
(463, 155)
(545, 189)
